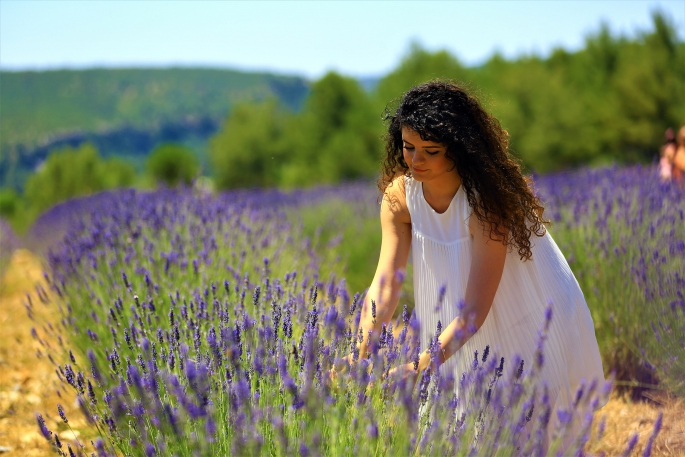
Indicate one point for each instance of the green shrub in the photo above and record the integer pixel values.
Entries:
(9, 203)
(75, 172)
(247, 151)
(172, 164)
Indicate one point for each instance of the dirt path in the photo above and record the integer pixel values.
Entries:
(625, 418)
(29, 385)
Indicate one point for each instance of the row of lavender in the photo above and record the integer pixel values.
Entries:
(212, 331)
(624, 234)
(8, 243)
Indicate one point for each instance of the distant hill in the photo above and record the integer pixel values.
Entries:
(128, 109)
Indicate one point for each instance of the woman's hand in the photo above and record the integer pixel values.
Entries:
(409, 372)
(405, 372)
(342, 366)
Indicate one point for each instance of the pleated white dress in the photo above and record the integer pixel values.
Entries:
(441, 254)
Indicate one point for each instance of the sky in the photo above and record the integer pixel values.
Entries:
(308, 38)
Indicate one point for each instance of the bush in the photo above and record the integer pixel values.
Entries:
(9, 203)
(247, 151)
(334, 138)
(173, 164)
(74, 172)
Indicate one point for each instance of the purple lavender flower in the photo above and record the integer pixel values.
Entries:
(632, 442)
(43, 428)
(60, 411)
(650, 442)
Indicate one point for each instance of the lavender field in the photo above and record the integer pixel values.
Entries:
(209, 325)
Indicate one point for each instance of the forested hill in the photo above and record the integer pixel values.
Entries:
(122, 109)
(36, 105)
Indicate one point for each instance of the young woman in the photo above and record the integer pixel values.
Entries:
(454, 195)
(668, 150)
(679, 157)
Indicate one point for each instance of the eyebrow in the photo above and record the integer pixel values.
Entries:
(434, 145)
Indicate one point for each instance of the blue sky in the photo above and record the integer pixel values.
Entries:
(358, 38)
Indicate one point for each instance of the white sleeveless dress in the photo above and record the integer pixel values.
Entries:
(441, 253)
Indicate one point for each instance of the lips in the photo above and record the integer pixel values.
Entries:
(418, 170)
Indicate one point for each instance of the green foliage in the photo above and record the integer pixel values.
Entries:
(335, 138)
(37, 104)
(72, 173)
(124, 111)
(332, 139)
(609, 102)
(248, 150)
(172, 164)
(418, 66)
(9, 203)
(346, 238)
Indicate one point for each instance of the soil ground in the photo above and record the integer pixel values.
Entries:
(29, 385)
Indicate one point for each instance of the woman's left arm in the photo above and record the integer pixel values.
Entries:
(487, 265)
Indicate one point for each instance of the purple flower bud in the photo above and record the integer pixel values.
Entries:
(43, 428)
(150, 450)
(372, 430)
(565, 417)
(91, 394)
(100, 447)
(657, 427)
(548, 314)
(631, 445)
(60, 410)
(210, 428)
(355, 301)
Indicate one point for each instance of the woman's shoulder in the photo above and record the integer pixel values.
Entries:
(397, 187)
(395, 198)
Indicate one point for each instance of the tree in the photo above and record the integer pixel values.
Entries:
(247, 151)
(336, 137)
(172, 164)
(418, 66)
(9, 203)
(70, 173)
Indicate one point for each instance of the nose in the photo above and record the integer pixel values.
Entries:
(417, 158)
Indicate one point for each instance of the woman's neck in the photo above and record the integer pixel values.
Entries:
(440, 192)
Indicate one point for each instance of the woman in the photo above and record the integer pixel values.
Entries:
(678, 159)
(668, 150)
(480, 250)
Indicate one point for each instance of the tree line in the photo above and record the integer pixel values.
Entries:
(610, 101)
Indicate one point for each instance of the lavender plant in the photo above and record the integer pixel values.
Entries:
(206, 325)
(624, 233)
(8, 243)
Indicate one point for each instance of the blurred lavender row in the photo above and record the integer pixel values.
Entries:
(9, 242)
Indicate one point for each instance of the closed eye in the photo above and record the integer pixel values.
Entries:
(432, 152)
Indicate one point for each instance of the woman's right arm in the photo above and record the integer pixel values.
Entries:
(679, 158)
(385, 287)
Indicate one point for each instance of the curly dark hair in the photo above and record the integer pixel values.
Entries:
(501, 197)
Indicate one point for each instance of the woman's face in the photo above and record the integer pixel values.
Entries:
(426, 160)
